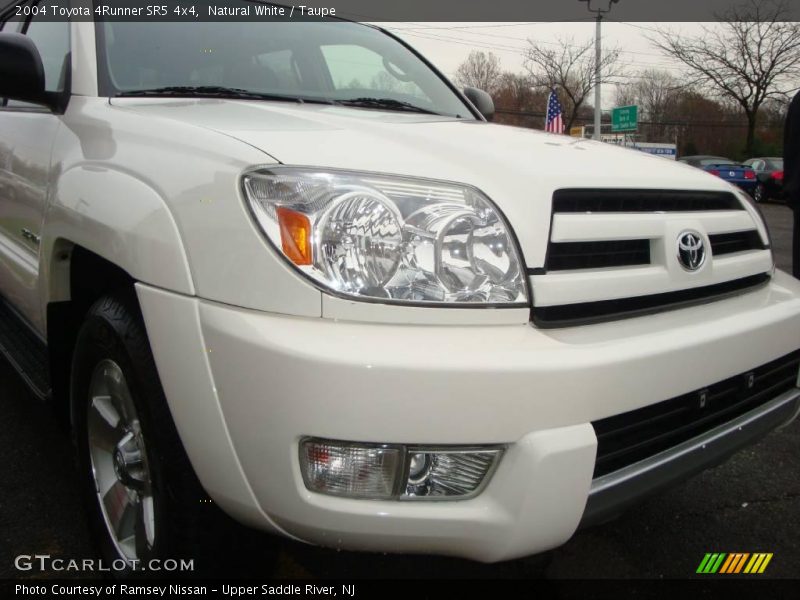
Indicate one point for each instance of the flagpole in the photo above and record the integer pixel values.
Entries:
(547, 109)
(598, 51)
(598, 97)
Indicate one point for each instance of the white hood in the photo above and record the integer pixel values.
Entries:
(517, 168)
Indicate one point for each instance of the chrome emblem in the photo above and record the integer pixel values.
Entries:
(732, 173)
(691, 250)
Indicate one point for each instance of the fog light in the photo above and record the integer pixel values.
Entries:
(384, 471)
(449, 474)
(351, 470)
(419, 466)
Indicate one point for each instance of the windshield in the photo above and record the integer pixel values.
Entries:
(322, 61)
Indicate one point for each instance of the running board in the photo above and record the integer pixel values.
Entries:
(25, 350)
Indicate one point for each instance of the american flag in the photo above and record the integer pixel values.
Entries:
(554, 123)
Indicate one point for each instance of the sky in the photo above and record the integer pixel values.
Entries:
(447, 45)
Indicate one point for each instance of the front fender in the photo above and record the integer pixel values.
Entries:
(119, 218)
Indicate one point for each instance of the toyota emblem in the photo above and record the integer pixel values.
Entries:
(691, 250)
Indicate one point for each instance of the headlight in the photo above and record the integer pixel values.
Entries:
(389, 238)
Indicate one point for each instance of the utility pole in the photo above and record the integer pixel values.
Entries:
(598, 51)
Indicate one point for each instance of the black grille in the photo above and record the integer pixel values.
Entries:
(564, 256)
(630, 437)
(738, 241)
(583, 313)
(614, 200)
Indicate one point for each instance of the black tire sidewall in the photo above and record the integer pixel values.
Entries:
(112, 332)
(188, 525)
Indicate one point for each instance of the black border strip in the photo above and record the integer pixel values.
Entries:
(445, 11)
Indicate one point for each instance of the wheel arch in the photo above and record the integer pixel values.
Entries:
(105, 229)
(118, 217)
(87, 277)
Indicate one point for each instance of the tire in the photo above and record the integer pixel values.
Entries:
(760, 193)
(143, 499)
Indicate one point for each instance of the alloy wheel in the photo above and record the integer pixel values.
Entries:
(119, 463)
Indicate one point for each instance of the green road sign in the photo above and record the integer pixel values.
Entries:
(624, 118)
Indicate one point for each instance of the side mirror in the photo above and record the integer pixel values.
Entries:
(21, 69)
(481, 100)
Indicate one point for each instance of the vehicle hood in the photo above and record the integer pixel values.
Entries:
(517, 168)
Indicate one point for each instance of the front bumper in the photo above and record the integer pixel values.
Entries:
(245, 387)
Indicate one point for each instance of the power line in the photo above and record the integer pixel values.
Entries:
(495, 25)
(415, 32)
(520, 51)
(491, 35)
(642, 27)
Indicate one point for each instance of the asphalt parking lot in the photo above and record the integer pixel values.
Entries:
(750, 504)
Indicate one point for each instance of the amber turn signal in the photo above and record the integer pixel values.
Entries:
(295, 235)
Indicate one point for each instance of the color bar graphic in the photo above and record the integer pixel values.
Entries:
(711, 562)
(734, 563)
(758, 563)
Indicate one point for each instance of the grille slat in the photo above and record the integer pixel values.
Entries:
(737, 241)
(636, 435)
(566, 315)
(564, 256)
(624, 200)
(700, 425)
(647, 422)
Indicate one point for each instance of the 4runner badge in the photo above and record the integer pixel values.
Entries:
(691, 250)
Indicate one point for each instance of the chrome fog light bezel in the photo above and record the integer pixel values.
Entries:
(402, 476)
(496, 452)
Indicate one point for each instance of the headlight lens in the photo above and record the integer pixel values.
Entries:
(389, 238)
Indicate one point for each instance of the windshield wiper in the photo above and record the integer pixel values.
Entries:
(218, 91)
(386, 104)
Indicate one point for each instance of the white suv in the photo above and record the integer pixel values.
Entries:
(288, 267)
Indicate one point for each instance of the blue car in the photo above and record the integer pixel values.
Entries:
(736, 173)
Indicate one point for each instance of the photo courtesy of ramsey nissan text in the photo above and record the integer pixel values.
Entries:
(332, 298)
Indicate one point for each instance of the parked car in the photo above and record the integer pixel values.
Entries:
(769, 173)
(738, 174)
(288, 267)
(702, 160)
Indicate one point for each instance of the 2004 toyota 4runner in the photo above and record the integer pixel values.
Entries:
(290, 266)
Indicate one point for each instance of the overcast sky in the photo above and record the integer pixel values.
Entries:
(448, 44)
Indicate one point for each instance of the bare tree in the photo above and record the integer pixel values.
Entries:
(570, 68)
(480, 70)
(655, 92)
(625, 94)
(752, 55)
(518, 89)
(517, 94)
